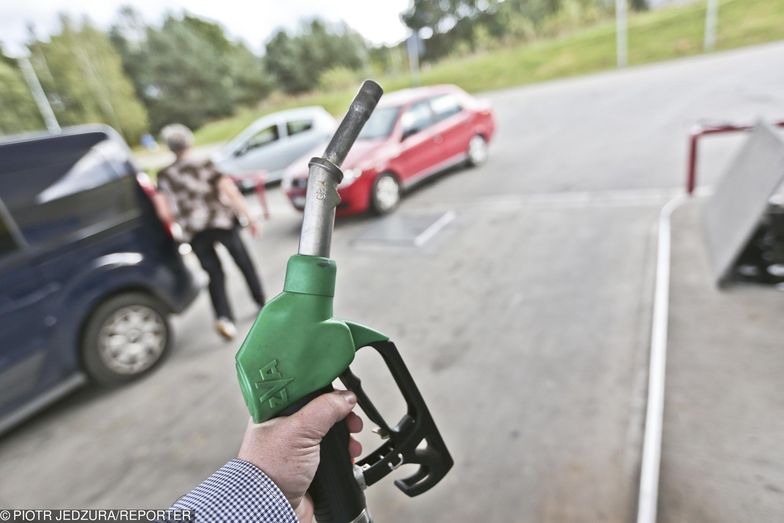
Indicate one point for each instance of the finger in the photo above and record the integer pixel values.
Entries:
(320, 414)
(354, 448)
(354, 423)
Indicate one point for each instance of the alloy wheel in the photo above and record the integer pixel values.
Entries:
(132, 339)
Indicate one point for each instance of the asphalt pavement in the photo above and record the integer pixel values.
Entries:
(724, 411)
(525, 320)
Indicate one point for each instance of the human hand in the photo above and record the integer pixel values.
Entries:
(286, 449)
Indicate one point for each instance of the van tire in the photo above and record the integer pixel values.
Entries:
(124, 338)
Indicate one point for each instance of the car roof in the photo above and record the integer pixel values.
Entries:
(300, 112)
(405, 96)
(316, 112)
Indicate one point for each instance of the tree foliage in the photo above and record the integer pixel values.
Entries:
(454, 26)
(82, 74)
(297, 61)
(441, 15)
(187, 70)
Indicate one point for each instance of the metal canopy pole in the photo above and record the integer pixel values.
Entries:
(620, 32)
(38, 95)
(711, 19)
(412, 47)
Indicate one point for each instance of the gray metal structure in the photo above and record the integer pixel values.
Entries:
(711, 21)
(733, 212)
(621, 29)
(44, 107)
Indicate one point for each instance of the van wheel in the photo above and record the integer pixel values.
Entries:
(477, 150)
(385, 194)
(125, 337)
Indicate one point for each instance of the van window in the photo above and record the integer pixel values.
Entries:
(445, 106)
(60, 186)
(298, 126)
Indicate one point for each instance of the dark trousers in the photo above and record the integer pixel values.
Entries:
(203, 244)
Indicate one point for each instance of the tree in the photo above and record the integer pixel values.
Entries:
(450, 22)
(187, 70)
(82, 74)
(18, 112)
(452, 26)
(297, 61)
(251, 83)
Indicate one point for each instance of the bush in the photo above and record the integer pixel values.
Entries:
(339, 77)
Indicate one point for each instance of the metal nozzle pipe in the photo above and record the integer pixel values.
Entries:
(358, 113)
(325, 174)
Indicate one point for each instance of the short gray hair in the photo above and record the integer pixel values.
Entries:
(177, 137)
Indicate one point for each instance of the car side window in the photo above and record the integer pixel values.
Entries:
(416, 118)
(298, 126)
(264, 137)
(445, 106)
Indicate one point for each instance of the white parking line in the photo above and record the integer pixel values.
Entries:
(434, 228)
(651, 448)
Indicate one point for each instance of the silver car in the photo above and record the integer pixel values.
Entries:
(272, 143)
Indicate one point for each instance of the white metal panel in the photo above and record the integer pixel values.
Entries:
(733, 212)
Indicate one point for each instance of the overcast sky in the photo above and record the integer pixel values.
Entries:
(250, 20)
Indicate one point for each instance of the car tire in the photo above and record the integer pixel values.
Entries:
(385, 194)
(476, 151)
(124, 338)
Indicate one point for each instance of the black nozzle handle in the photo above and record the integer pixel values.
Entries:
(337, 496)
(358, 113)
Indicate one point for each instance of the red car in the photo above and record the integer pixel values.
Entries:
(411, 135)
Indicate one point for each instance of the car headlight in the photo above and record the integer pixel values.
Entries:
(349, 176)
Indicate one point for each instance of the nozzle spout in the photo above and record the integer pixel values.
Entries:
(325, 174)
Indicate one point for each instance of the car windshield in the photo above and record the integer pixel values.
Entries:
(380, 123)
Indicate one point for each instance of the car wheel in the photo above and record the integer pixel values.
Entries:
(385, 196)
(477, 150)
(125, 337)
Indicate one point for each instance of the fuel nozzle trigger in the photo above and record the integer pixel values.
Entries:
(413, 440)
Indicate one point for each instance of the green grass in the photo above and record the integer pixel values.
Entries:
(653, 36)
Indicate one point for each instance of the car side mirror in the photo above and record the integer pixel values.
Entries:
(240, 151)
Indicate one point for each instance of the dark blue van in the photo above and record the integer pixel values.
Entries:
(88, 272)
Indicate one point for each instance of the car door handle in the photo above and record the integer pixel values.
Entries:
(438, 138)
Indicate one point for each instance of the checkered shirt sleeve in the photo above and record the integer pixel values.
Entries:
(238, 492)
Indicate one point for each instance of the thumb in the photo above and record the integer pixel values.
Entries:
(320, 414)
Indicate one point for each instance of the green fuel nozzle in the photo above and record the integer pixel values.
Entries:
(296, 349)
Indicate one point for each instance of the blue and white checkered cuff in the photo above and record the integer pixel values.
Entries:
(238, 492)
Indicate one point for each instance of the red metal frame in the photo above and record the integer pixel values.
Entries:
(697, 132)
